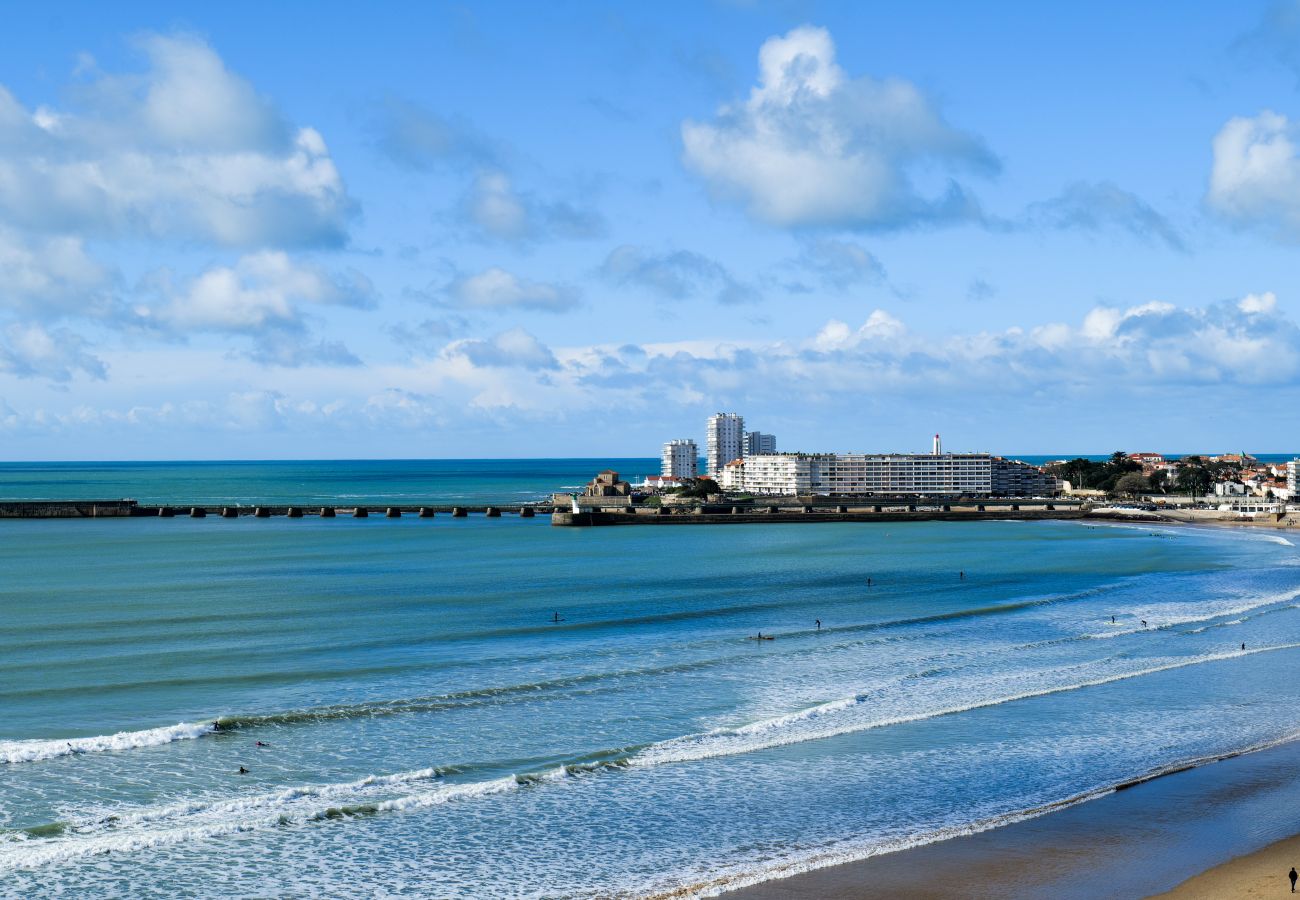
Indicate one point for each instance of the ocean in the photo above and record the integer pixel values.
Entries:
(415, 721)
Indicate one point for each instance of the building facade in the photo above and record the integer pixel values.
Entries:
(758, 443)
(680, 459)
(725, 440)
(894, 474)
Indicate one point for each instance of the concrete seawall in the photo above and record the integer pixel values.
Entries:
(796, 515)
(68, 509)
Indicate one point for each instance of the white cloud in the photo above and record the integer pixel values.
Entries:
(262, 291)
(1092, 206)
(495, 288)
(186, 150)
(49, 277)
(515, 348)
(813, 147)
(674, 274)
(499, 210)
(1255, 180)
(29, 350)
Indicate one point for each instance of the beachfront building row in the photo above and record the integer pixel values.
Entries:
(680, 459)
(888, 474)
(724, 440)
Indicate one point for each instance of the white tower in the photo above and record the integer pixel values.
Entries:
(938, 448)
(680, 459)
(726, 440)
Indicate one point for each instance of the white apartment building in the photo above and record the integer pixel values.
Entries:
(1291, 476)
(680, 459)
(756, 443)
(782, 473)
(725, 440)
(893, 474)
(732, 476)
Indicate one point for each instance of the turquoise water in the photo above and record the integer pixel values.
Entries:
(430, 731)
(399, 482)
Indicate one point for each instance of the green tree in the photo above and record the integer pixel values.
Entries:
(1132, 483)
(1193, 479)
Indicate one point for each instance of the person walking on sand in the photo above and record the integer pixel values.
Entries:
(1292, 876)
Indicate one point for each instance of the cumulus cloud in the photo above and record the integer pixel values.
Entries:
(261, 291)
(1094, 206)
(515, 348)
(674, 274)
(185, 150)
(495, 207)
(812, 147)
(495, 288)
(841, 264)
(52, 276)
(29, 350)
(1255, 180)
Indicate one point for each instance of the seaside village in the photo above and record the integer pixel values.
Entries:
(739, 463)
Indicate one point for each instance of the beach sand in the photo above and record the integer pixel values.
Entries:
(1259, 874)
(1207, 824)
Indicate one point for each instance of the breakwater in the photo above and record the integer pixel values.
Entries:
(126, 508)
(739, 515)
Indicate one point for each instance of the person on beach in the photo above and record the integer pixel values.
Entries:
(1292, 876)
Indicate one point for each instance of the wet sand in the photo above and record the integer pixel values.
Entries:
(1259, 874)
(1138, 842)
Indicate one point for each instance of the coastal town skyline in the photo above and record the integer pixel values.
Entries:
(837, 217)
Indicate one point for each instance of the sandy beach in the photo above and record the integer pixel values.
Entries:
(1193, 835)
(1259, 874)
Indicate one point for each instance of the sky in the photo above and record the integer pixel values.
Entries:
(578, 229)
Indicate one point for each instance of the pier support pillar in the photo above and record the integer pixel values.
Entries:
(360, 513)
(458, 512)
(166, 512)
(492, 512)
(980, 508)
(841, 509)
(262, 513)
(393, 513)
(526, 512)
(947, 508)
(1015, 507)
(229, 512)
(197, 512)
(327, 512)
(295, 512)
(877, 509)
(911, 507)
(426, 512)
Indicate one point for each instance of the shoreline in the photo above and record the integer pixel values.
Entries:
(1196, 830)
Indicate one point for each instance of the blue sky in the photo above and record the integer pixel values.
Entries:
(577, 229)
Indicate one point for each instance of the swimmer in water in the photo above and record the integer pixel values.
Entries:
(819, 624)
(263, 744)
(243, 771)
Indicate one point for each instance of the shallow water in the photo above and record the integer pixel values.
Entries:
(431, 732)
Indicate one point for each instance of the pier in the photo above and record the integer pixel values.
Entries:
(770, 510)
(804, 511)
(125, 508)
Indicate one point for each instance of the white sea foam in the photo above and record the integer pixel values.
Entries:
(36, 750)
(1162, 616)
(150, 828)
(128, 830)
(852, 715)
